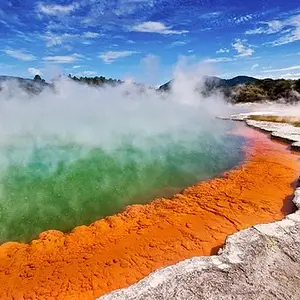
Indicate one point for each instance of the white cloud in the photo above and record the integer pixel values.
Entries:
(242, 19)
(76, 67)
(219, 59)
(271, 27)
(53, 39)
(290, 37)
(87, 43)
(291, 76)
(297, 67)
(34, 71)
(222, 50)
(86, 74)
(91, 35)
(288, 29)
(56, 9)
(68, 47)
(178, 43)
(63, 59)
(191, 51)
(210, 15)
(19, 54)
(156, 27)
(110, 56)
(55, 26)
(254, 66)
(241, 48)
(278, 75)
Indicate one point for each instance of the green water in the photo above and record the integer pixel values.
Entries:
(60, 186)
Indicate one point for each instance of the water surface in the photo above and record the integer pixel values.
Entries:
(51, 184)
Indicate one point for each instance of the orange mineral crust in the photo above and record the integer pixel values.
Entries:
(120, 250)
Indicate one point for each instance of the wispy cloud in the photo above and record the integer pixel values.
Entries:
(268, 28)
(297, 67)
(242, 19)
(222, 50)
(56, 9)
(53, 39)
(19, 54)
(86, 74)
(219, 59)
(110, 56)
(34, 71)
(63, 59)
(178, 43)
(288, 29)
(210, 15)
(242, 48)
(255, 66)
(156, 27)
(91, 35)
(290, 75)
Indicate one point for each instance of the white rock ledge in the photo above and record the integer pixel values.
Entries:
(281, 131)
(259, 263)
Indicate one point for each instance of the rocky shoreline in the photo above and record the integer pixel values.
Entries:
(281, 131)
(261, 262)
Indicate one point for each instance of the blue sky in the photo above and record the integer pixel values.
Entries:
(143, 39)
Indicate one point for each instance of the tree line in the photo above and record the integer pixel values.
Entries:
(265, 89)
(97, 80)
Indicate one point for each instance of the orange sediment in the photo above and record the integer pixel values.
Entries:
(120, 250)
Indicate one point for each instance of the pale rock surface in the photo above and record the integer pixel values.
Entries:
(282, 131)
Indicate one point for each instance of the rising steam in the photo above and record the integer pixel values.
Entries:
(76, 153)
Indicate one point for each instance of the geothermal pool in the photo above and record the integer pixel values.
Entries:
(75, 154)
(57, 185)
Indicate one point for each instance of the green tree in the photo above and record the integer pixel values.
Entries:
(297, 85)
(37, 77)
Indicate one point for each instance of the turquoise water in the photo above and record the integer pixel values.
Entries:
(55, 185)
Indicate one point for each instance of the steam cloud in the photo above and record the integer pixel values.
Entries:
(54, 145)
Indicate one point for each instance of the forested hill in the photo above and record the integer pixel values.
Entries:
(95, 80)
(249, 89)
(236, 90)
(37, 84)
(216, 82)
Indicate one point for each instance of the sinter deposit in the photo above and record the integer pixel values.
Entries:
(282, 131)
(262, 262)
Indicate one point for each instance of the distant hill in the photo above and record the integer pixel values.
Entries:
(216, 82)
(249, 89)
(34, 86)
(37, 84)
(235, 81)
(235, 90)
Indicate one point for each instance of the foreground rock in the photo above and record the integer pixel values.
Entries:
(262, 262)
